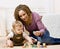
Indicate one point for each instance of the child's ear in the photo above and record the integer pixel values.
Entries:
(12, 30)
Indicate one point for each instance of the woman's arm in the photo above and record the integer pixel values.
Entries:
(40, 25)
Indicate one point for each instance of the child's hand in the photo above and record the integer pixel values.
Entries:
(38, 44)
(33, 40)
(29, 39)
(5, 45)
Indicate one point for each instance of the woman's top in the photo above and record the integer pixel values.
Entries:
(36, 24)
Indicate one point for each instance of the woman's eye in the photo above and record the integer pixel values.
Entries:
(20, 16)
(23, 14)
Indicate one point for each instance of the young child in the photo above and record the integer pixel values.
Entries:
(17, 37)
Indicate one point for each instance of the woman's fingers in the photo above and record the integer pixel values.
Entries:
(37, 33)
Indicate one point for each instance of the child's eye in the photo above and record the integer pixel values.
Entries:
(20, 26)
(18, 29)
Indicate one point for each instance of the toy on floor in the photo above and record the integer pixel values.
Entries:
(44, 45)
(28, 45)
(38, 45)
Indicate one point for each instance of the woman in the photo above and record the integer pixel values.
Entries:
(32, 22)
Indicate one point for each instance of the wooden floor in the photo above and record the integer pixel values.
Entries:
(48, 47)
(19, 47)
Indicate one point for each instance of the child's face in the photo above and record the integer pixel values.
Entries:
(18, 28)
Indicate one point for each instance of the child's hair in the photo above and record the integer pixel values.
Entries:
(16, 23)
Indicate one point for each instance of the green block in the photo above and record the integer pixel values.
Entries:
(34, 46)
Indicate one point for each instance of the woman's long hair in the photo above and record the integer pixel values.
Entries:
(24, 8)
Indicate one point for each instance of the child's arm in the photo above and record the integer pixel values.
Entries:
(8, 41)
(27, 38)
(10, 35)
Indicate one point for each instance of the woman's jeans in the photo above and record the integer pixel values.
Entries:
(46, 38)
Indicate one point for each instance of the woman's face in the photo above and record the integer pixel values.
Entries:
(23, 15)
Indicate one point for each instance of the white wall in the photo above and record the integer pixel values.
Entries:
(52, 23)
(2, 22)
(49, 9)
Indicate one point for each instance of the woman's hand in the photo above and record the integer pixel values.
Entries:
(38, 33)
